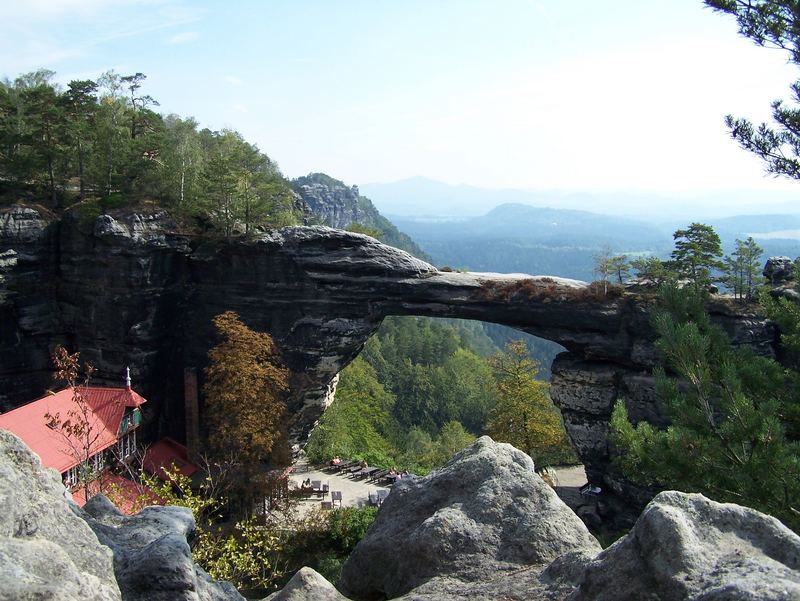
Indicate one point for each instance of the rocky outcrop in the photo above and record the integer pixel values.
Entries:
(126, 289)
(485, 527)
(332, 203)
(51, 549)
(778, 270)
(46, 550)
(688, 547)
(152, 558)
(486, 512)
(307, 585)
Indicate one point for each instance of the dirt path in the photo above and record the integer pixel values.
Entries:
(571, 475)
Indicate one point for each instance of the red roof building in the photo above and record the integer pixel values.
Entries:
(111, 417)
(164, 454)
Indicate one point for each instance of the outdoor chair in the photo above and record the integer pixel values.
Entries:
(325, 488)
(336, 495)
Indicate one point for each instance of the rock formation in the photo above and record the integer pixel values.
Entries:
(307, 585)
(126, 289)
(483, 527)
(51, 549)
(330, 202)
(152, 558)
(486, 512)
(778, 270)
(688, 547)
(487, 527)
(46, 550)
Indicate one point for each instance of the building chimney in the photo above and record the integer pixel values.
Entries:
(191, 413)
(128, 378)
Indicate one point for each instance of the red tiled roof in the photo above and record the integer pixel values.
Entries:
(54, 449)
(163, 454)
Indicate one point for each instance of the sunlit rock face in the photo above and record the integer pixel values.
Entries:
(126, 289)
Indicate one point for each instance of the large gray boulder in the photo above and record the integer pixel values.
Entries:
(554, 583)
(779, 269)
(152, 558)
(307, 585)
(685, 546)
(46, 550)
(485, 513)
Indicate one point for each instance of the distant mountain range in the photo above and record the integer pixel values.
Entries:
(419, 196)
(515, 237)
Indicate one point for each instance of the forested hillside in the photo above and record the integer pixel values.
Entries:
(335, 204)
(419, 392)
(102, 143)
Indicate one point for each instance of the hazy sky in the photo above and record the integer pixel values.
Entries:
(548, 94)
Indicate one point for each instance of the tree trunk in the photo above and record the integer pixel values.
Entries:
(81, 181)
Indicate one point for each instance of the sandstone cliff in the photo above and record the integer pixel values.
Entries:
(129, 290)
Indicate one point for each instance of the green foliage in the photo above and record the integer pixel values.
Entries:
(697, 254)
(364, 229)
(775, 24)
(348, 525)
(354, 425)
(256, 553)
(524, 415)
(786, 314)
(608, 266)
(743, 269)
(452, 438)
(729, 409)
(418, 394)
(651, 269)
(103, 140)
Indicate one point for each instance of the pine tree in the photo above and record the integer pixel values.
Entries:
(743, 269)
(697, 254)
(772, 24)
(728, 409)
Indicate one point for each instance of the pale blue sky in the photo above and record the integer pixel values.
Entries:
(548, 94)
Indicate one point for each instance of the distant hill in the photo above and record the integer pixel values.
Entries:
(516, 237)
(419, 196)
(534, 240)
(333, 203)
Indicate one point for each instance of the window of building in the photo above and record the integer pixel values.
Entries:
(71, 476)
(127, 445)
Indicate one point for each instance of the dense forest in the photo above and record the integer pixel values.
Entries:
(419, 392)
(102, 143)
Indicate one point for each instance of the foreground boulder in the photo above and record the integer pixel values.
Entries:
(307, 585)
(685, 546)
(152, 558)
(46, 550)
(485, 513)
(51, 549)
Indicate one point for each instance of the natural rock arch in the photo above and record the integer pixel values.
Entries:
(129, 291)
